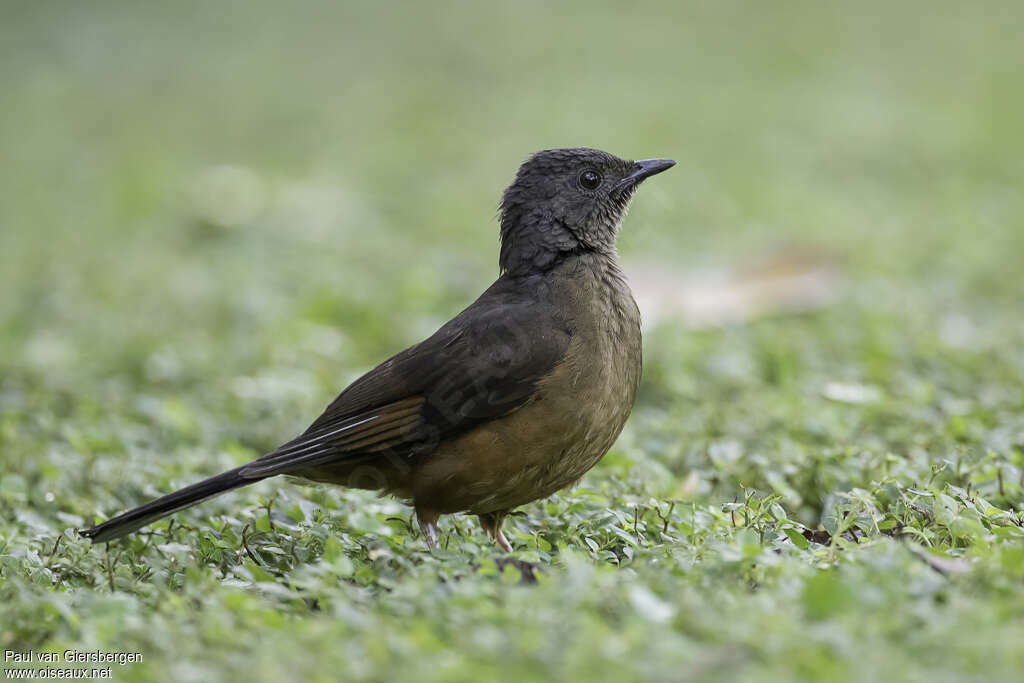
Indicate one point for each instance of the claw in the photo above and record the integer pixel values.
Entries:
(500, 539)
(428, 525)
(491, 523)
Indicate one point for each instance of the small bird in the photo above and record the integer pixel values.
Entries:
(514, 398)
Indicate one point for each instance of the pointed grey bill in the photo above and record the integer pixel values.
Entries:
(644, 168)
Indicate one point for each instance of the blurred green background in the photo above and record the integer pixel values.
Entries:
(214, 215)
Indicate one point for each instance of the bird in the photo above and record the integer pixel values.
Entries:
(513, 399)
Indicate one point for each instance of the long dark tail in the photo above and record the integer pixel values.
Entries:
(130, 521)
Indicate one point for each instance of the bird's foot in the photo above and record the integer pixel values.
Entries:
(428, 525)
(491, 523)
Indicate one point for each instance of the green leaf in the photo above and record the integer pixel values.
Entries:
(797, 538)
(826, 595)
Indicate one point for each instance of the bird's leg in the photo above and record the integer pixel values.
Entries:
(491, 522)
(428, 525)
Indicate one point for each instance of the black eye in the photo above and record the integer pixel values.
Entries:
(589, 180)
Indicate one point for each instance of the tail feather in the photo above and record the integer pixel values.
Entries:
(130, 521)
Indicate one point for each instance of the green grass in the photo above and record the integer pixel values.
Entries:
(214, 217)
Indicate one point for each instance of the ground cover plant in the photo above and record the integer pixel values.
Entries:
(214, 218)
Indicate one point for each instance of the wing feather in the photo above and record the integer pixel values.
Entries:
(483, 364)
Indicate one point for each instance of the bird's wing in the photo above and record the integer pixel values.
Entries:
(483, 364)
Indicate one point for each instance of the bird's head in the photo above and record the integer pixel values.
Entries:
(568, 200)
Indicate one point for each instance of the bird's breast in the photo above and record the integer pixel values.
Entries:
(598, 383)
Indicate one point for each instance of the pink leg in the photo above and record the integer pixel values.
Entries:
(491, 522)
(428, 525)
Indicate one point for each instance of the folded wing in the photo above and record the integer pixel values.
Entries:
(485, 363)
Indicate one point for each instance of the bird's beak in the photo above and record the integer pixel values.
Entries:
(644, 168)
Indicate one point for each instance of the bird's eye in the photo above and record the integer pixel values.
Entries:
(589, 180)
